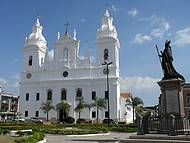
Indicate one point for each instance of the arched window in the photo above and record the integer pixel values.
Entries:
(65, 54)
(63, 94)
(106, 54)
(30, 61)
(49, 95)
(79, 93)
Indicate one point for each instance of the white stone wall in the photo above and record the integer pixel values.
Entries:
(87, 86)
(126, 111)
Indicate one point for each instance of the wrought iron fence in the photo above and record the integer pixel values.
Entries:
(170, 125)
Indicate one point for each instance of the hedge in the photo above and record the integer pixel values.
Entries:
(58, 128)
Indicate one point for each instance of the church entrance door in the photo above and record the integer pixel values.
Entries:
(60, 115)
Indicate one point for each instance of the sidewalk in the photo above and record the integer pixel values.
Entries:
(161, 137)
(117, 137)
(111, 137)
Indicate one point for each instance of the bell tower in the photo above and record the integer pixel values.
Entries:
(107, 42)
(35, 48)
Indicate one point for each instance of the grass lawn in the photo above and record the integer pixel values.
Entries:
(7, 139)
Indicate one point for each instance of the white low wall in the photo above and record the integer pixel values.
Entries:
(43, 141)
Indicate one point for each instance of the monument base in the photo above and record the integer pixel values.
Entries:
(171, 98)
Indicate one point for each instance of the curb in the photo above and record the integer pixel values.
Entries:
(88, 135)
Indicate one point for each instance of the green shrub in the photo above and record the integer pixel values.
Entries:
(69, 120)
(34, 138)
(4, 131)
(124, 129)
(73, 131)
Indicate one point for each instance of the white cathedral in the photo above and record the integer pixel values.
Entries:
(68, 76)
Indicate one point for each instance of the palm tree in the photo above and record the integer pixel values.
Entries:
(134, 102)
(89, 106)
(46, 107)
(80, 107)
(64, 107)
(101, 104)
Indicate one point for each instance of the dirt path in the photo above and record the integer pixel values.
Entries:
(7, 139)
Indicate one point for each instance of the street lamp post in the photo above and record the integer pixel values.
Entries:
(107, 73)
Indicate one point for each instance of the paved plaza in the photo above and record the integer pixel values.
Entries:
(115, 137)
(112, 137)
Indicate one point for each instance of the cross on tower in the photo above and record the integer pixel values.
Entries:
(38, 19)
(38, 15)
(106, 9)
(106, 5)
(66, 24)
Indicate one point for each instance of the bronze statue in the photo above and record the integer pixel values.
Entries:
(166, 60)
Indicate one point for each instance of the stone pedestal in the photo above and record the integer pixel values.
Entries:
(171, 98)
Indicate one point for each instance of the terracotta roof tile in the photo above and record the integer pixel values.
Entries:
(126, 94)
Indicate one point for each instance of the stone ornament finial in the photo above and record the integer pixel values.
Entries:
(58, 35)
(74, 34)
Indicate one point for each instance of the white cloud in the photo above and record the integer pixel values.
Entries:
(150, 19)
(157, 33)
(182, 37)
(10, 87)
(138, 83)
(3, 82)
(15, 88)
(15, 85)
(133, 12)
(165, 25)
(16, 76)
(159, 26)
(15, 61)
(144, 87)
(83, 20)
(139, 38)
(114, 8)
(51, 54)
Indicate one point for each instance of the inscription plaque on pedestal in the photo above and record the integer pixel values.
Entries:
(172, 101)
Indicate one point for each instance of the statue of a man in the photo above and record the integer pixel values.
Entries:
(167, 66)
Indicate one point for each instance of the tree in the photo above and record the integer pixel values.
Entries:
(134, 102)
(64, 107)
(80, 107)
(101, 104)
(46, 107)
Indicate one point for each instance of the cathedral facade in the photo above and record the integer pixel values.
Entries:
(68, 76)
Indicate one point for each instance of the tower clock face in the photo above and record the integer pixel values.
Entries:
(65, 73)
(28, 75)
(106, 71)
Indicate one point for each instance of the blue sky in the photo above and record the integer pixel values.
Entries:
(140, 24)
